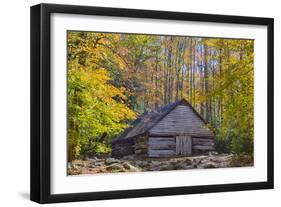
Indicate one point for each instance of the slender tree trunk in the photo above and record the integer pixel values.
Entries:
(177, 67)
(182, 70)
(156, 101)
(220, 104)
(206, 83)
(169, 77)
(166, 78)
(191, 71)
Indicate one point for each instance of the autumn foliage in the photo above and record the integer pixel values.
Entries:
(114, 77)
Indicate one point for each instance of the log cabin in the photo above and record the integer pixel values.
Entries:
(172, 130)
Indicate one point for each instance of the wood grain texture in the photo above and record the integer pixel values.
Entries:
(183, 145)
(161, 153)
(200, 147)
(204, 142)
(141, 145)
(182, 120)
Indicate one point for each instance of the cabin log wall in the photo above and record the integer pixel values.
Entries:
(159, 146)
(202, 145)
(141, 145)
(162, 146)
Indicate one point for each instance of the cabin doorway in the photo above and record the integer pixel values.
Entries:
(183, 145)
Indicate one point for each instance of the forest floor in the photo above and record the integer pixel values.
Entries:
(131, 164)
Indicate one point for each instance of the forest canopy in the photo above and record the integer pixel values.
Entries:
(112, 78)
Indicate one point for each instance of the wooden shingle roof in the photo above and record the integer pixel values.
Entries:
(147, 121)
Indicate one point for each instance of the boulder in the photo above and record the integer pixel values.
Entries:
(94, 158)
(79, 164)
(75, 167)
(187, 162)
(110, 161)
(142, 164)
(167, 167)
(174, 165)
(209, 165)
(154, 163)
(127, 166)
(91, 166)
(130, 167)
(114, 167)
(213, 153)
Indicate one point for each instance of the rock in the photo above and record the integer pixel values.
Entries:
(127, 166)
(74, 170)
(94, 164)
(101, 170)
(235, 164)
(110, 161)
(167, 167)
(188, 167)
(130, 167)
(136, 164)
(209, 165)
(154, 169)
(241, 160)
(174, 166)
(174, 162)
(114, 167)
(75, 167)
(91, 166)
(142, 164)
(98, 164)
(154, 163)
(94, 158)
(213, 153)
(80, 164)
(121, 170)
(197, 160)
(204, 161)
(188, 162)
(133, 163)
(86, 159)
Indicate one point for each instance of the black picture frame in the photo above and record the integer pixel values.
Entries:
(41, 99)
